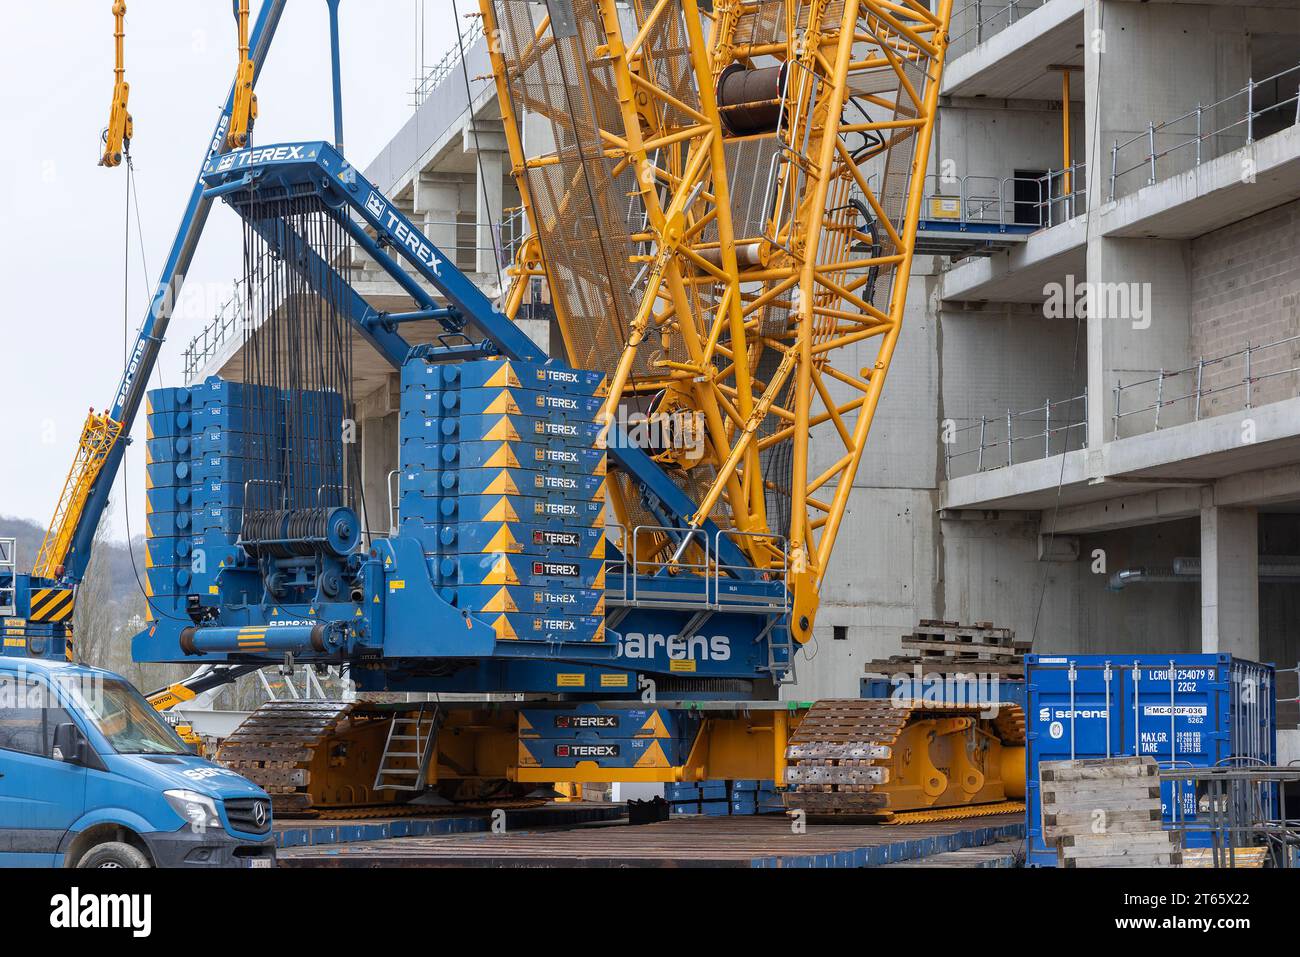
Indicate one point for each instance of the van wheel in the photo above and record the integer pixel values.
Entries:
(113, 854)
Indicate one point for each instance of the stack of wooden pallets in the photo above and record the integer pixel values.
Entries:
(1105, 812)
(947, 647)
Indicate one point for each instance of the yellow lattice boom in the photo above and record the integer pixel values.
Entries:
(723, 201)
(98, 436)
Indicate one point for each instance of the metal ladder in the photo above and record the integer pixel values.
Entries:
(408, 750)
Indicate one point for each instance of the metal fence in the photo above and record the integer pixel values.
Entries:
(1209, 132)
(1239, 820)
(977, 20)
(1175, 397)
(451, 60)
(994, 442)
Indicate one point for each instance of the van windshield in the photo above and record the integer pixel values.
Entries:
(128, 722)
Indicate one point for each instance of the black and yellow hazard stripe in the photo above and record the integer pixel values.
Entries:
(51, 604)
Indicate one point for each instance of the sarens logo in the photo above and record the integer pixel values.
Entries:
(1050, 714)
(697, 648)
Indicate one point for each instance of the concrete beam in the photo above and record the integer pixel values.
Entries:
(476, 139)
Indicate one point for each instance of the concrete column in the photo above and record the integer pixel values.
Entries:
(489, 172)
(437, 200)
(379, 441)
(1230, 581)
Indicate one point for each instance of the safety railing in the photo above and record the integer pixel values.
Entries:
(1047, 200)
(978, 20)
(514, 232)
(684, 554)
(1178, 396)
(994, 442)
(1260, 108)
(228, 323)
(451, 60)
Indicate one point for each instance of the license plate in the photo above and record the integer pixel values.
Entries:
(260, 862)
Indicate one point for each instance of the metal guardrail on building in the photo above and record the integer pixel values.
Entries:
(985, 18)
(1059, 196)
(1195, 127)
(228, 323)
(451, 60)
(998, 444)
(1191, 381)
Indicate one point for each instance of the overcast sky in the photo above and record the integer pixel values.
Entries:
(62, 216)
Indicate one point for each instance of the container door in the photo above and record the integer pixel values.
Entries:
(1170, 710)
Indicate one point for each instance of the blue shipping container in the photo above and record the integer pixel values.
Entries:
(1181, 710)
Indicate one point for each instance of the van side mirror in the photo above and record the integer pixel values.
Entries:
(69, 744)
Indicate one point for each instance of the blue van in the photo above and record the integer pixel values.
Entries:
(91, 776)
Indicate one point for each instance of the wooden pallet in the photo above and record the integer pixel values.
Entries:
(1105, 812)
(947, 647)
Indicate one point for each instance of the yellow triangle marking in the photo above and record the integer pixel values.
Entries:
(502, 511)
(504, 457)
(503, 484)
(501, 601)
(654, 757)
(504, 541)
(653, 727)
(504, 430)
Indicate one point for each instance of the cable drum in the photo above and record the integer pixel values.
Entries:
(749, 101)
(297, 533)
